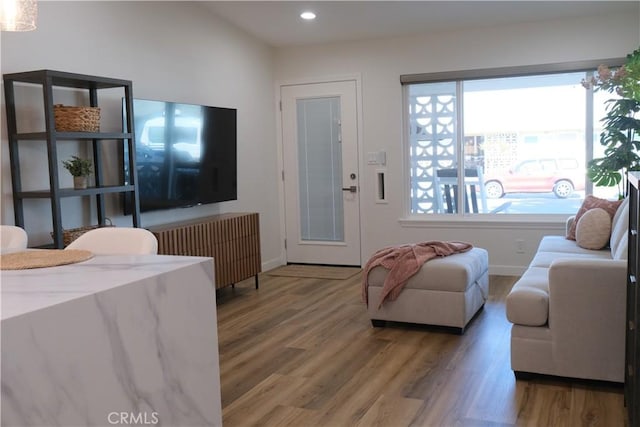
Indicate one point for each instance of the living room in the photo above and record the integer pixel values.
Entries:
(184, 52)
(137, 49)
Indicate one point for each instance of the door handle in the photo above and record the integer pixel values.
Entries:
(351, 189)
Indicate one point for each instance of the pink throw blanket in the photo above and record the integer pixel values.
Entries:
(405, 261)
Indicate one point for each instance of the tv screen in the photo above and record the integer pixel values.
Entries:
(185, 154)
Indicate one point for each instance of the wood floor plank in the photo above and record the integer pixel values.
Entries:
(501, 406)
(336, 371)
(302, 352)
(239, 381)
(256, 406)
(590, 408)
(389, 412)
(386, 371)
(288, 416)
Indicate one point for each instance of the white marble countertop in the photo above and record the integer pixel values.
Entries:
(115, 336)
(25, 291)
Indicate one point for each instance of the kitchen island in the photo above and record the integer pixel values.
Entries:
(114, 340)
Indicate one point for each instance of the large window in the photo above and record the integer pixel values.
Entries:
(503, 145)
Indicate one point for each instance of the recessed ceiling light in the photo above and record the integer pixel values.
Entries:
(308, 15)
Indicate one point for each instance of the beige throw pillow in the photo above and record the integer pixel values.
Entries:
(590, 202)
(594, 229)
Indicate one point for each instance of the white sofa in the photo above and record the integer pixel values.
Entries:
(568, 309)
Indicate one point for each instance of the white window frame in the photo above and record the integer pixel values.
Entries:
(509, 220)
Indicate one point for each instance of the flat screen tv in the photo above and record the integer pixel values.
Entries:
(185, 154)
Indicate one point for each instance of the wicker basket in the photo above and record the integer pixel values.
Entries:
(76, 119)
(72, 234)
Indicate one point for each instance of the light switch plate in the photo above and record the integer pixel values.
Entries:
(372, 158)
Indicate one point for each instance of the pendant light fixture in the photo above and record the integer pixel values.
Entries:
(18, 15)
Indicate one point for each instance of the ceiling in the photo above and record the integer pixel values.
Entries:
(278, 24)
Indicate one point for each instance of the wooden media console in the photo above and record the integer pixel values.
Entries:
(231, 239)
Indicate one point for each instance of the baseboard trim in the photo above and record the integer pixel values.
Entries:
(272, 263)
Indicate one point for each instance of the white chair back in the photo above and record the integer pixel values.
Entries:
(117, 240)
(12, 238)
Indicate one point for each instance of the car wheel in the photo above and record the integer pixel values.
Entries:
(563, 189)
(494, 189)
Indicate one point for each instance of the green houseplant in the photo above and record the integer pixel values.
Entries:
(80, 169)
(621, 124)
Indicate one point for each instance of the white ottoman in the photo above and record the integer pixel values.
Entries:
(446, 291)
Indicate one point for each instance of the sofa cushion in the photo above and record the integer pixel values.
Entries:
(620, 252)
(544, 258)
(619, 229)
(591, 202)
(593, 229)
(621, 214)
(561, 244)
(528, 301)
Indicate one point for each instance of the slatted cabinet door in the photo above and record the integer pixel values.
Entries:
(232, 240)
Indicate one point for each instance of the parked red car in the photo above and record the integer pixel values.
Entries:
(560, 176)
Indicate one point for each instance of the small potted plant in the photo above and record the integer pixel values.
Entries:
(80, 168)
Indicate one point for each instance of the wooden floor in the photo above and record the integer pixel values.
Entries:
(302, 352)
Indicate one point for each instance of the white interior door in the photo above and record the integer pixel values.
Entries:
(320, 158)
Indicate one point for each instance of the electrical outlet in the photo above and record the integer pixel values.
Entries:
(519, 246)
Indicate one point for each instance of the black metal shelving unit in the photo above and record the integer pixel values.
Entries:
(49, 79)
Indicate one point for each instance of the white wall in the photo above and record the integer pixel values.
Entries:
(381, 62)
(180, 51)
(175, 51)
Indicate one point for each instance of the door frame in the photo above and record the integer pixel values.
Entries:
(357, 78)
